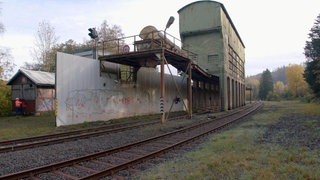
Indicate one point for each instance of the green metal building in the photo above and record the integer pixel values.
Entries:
(207, 30)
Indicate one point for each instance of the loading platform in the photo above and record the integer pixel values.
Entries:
(152, 58)
(154, 51)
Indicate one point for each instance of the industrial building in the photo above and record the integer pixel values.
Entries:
(129, 78)
(207, 30)
(126, 77)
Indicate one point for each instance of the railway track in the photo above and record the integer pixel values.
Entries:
(44, 140)
(111, 161)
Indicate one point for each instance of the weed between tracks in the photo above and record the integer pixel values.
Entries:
(267, 145)
(166, 128)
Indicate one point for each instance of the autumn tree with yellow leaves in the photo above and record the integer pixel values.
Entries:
(279, 88)
(297, 85)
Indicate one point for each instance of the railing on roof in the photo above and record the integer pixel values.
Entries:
(146, 42)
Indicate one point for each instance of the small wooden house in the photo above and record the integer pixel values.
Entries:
(35, 88)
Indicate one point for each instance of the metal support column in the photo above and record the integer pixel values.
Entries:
(162, 98)
(162, 87)
(190, 91)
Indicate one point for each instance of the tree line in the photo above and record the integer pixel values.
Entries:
(6, 67)
(302, 81)
(46, 46)
(44, 51)
(292, 87)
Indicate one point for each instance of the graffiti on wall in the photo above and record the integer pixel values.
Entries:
(86, 102)
(45, 105)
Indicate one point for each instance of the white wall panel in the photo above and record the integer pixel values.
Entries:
(83, 95)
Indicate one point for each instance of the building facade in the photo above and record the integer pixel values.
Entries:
(207, 30)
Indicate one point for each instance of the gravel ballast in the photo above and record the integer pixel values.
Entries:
(16, 161)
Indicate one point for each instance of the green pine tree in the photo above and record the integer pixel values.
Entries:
(312, 53)
(266, 84)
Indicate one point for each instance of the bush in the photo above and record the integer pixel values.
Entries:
(5, 98)
(273, 97)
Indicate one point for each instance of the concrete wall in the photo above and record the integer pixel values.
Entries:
(84, 95)
(199, 17)
(206, 27)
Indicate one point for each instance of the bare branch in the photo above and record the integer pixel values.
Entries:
(45, 40)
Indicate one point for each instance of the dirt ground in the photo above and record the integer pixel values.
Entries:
(294, 130)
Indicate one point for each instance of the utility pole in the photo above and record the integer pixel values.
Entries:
(162, 83)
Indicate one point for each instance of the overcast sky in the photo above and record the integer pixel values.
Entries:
(273, 31)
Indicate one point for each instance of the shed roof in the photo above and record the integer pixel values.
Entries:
(38, 77)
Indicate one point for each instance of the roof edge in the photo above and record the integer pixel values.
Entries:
(23, 71)
(13, 78)
(225, 11)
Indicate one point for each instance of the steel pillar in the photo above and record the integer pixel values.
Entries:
(190, 91)
(162, 87)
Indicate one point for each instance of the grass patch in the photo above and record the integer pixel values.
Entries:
(12, 127)
(24, 126)
(312, 109)
(241, 153)
(311, 124)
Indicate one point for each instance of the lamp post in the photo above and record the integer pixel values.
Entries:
(170, 21)
(162, 84)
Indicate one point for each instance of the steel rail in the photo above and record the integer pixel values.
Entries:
(53, 167)
(36, 141)
(14, 142)
(57, 135)
(44, 140)
(17, 147)
(123, 166)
